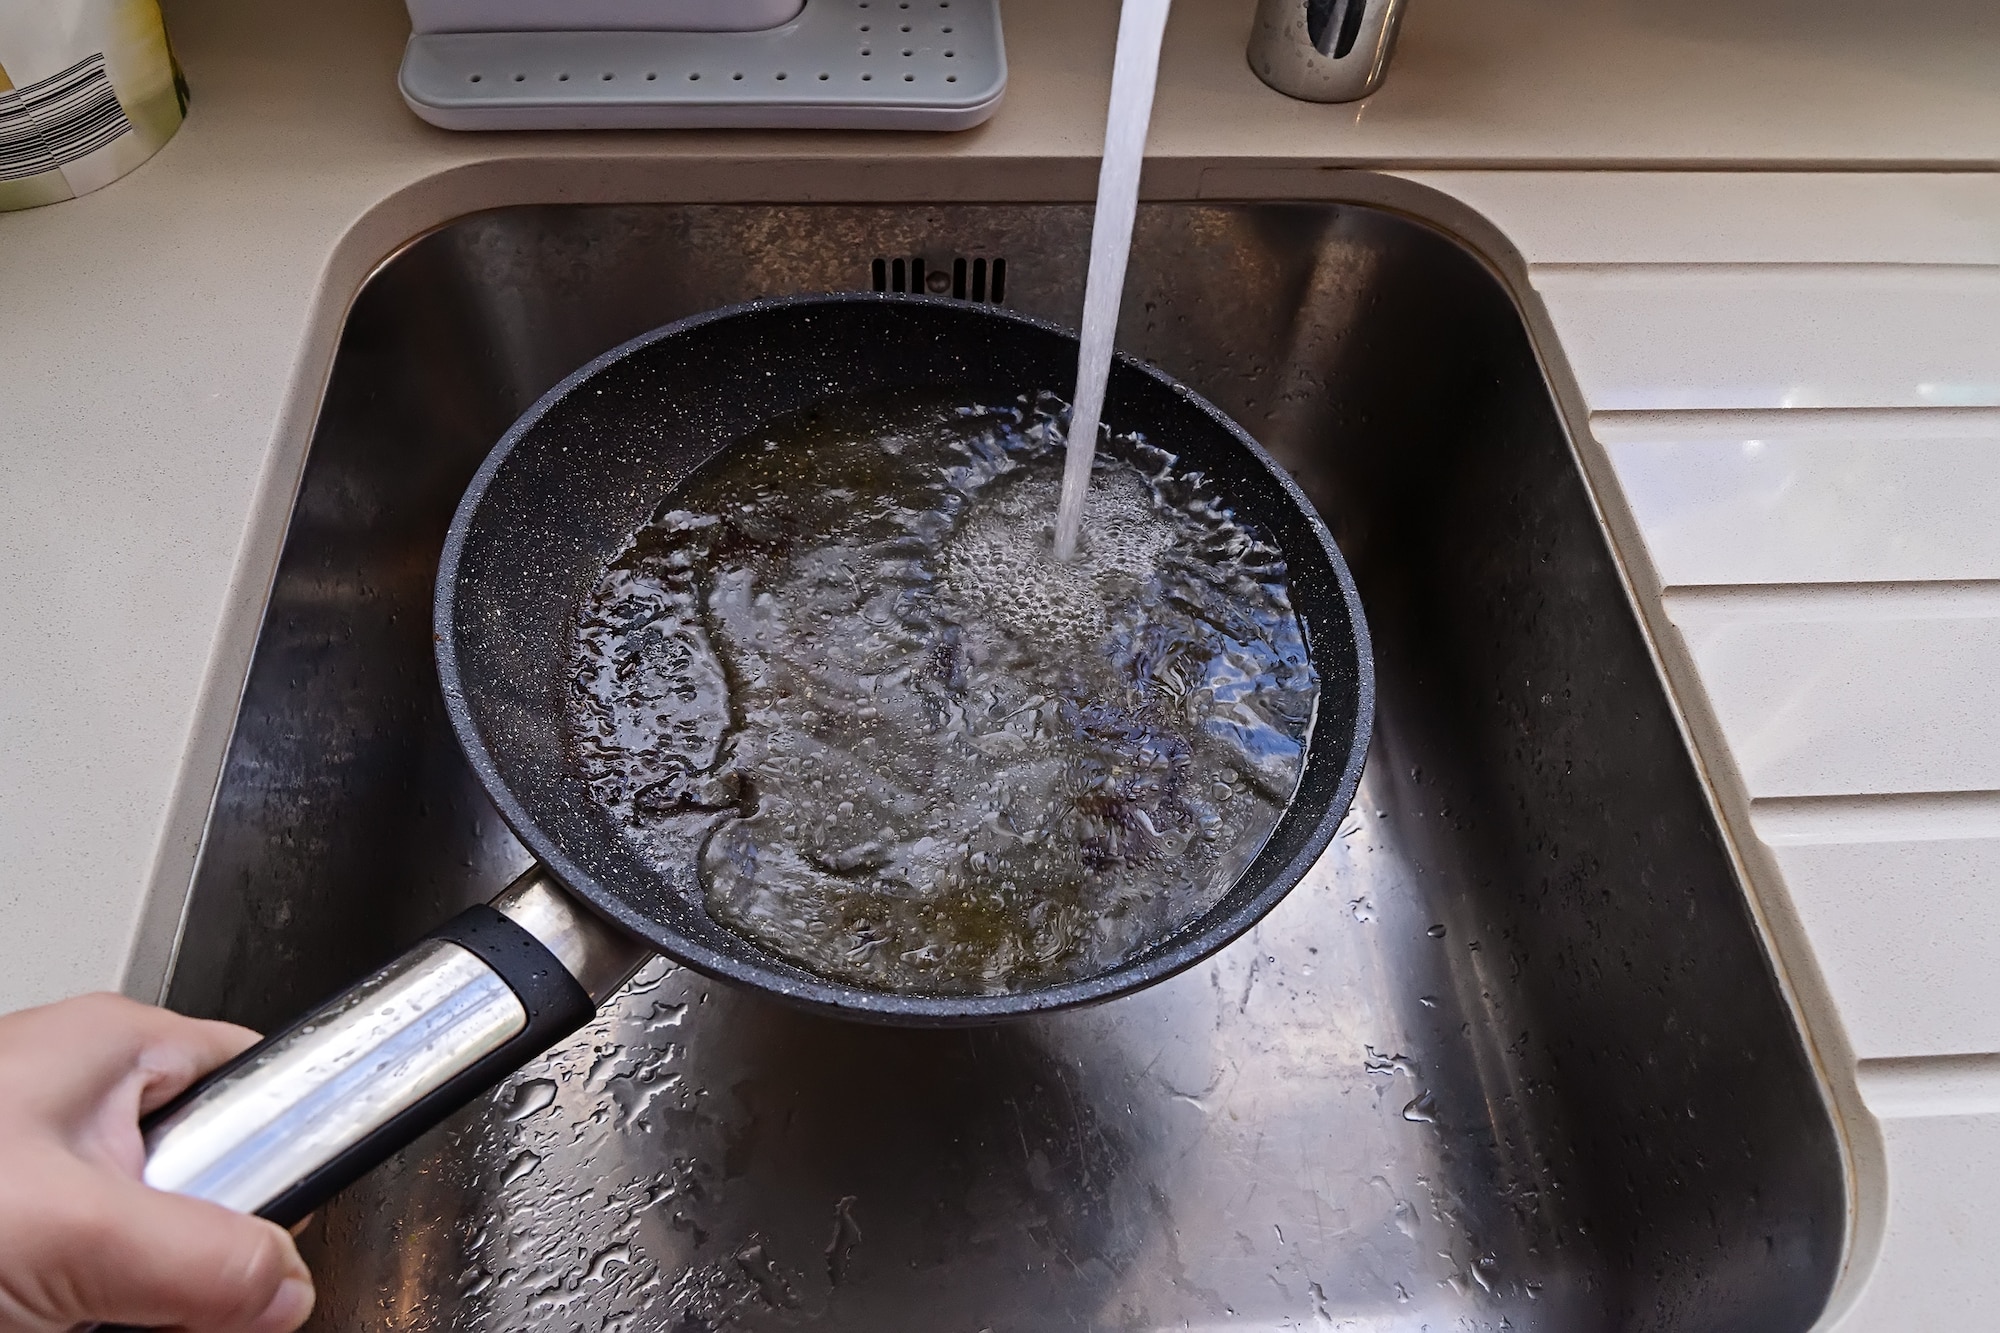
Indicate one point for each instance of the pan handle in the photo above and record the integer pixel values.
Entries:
(297, 1117)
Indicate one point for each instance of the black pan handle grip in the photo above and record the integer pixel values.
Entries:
(302, 1114)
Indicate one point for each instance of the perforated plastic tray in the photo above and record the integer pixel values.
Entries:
(842, 64)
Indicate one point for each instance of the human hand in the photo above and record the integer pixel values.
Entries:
(82, 1238)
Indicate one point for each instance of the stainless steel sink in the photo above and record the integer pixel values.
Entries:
(1513, 1056)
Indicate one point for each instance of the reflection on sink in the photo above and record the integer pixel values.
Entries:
(1513, 1056)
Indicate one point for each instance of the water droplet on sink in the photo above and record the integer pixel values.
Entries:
(666, 1016)
(846, 1235)
(769, 1279)
(1422, 1109)
(1377, 1063)
(535, 1094)
(519, 1169)
(617, 1254)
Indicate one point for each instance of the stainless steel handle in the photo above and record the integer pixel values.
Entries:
(301, 1114)
(1324, 50)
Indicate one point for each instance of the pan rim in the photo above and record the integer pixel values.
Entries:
(1188, 945)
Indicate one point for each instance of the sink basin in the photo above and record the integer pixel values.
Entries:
(1513, 1056)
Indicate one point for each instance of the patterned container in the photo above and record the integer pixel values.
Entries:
(88, 91)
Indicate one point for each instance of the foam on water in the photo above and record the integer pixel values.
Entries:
(1004, 562)
(910, 749)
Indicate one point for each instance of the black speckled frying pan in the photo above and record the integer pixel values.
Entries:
(308, 1110)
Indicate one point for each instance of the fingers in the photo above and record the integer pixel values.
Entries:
(82, 1240)
(180, 1050)
(78, 1051)
(121, 1252)
(85, 1070)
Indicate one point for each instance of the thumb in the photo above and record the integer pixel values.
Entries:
(126, 1253)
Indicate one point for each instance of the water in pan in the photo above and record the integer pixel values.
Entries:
(910, 749)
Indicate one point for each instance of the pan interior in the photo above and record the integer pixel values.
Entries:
(591, 462)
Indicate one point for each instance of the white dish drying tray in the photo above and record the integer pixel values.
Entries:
(840, 64)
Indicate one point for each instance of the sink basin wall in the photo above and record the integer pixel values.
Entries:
(1514, 1052)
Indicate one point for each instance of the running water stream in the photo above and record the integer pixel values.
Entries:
(1134, 70)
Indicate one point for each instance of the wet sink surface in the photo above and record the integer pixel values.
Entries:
(1513, 1056)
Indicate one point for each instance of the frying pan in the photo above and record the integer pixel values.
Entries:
(303, 1113)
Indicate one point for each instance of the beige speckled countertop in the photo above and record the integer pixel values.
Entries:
(1762, 233)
